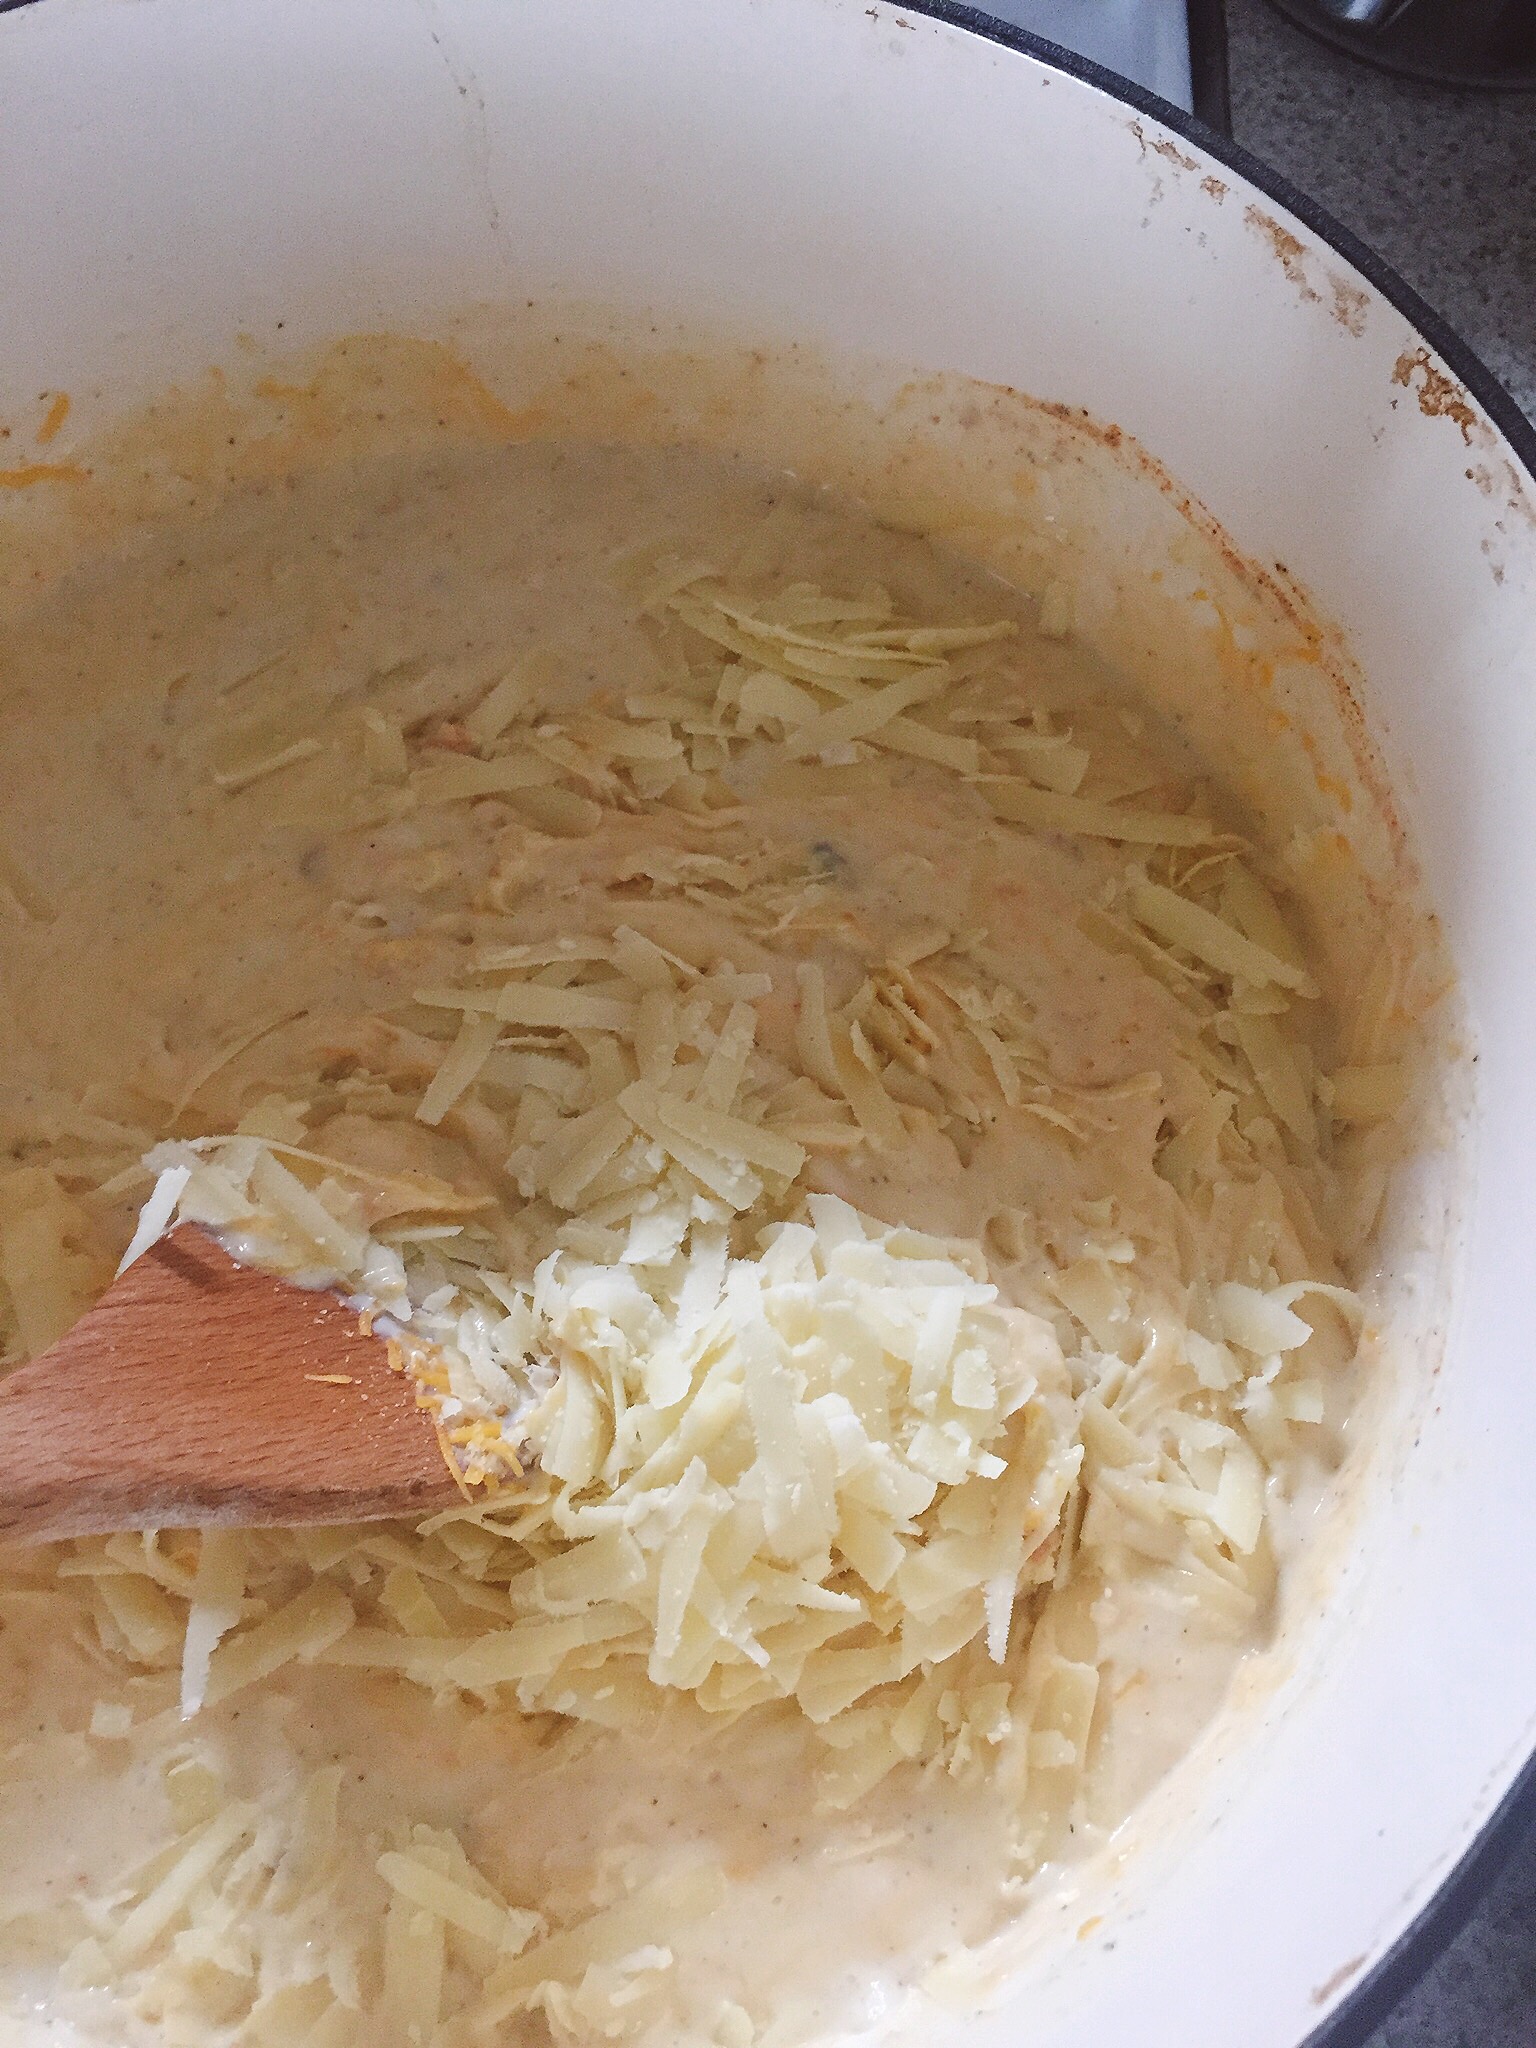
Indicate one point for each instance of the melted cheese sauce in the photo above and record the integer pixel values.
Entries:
(165, 910)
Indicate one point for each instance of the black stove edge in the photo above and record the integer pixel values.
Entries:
(1357, 2016)
(1209, 89)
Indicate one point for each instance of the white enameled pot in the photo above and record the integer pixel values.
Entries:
(865, 179)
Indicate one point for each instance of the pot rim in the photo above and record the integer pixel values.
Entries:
(1407, 1958)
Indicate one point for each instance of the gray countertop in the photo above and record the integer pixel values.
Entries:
(1443, 186)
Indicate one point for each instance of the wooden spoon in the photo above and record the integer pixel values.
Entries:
(198, 1391)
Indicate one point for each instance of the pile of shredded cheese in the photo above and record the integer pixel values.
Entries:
(734, 1433)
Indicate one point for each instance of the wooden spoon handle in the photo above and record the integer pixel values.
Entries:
(198, 1391)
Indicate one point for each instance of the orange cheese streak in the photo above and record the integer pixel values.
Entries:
(54, 418)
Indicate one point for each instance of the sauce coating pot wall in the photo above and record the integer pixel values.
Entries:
(193, 186)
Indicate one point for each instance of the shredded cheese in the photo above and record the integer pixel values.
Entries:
(728, 1441)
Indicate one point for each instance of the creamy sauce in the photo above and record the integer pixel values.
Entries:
(168, 908)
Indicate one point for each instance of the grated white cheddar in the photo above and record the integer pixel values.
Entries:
(736, 1400)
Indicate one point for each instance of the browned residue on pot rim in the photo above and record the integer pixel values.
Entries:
(1341, 1976)
(1348, 303)
(1438, 393)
